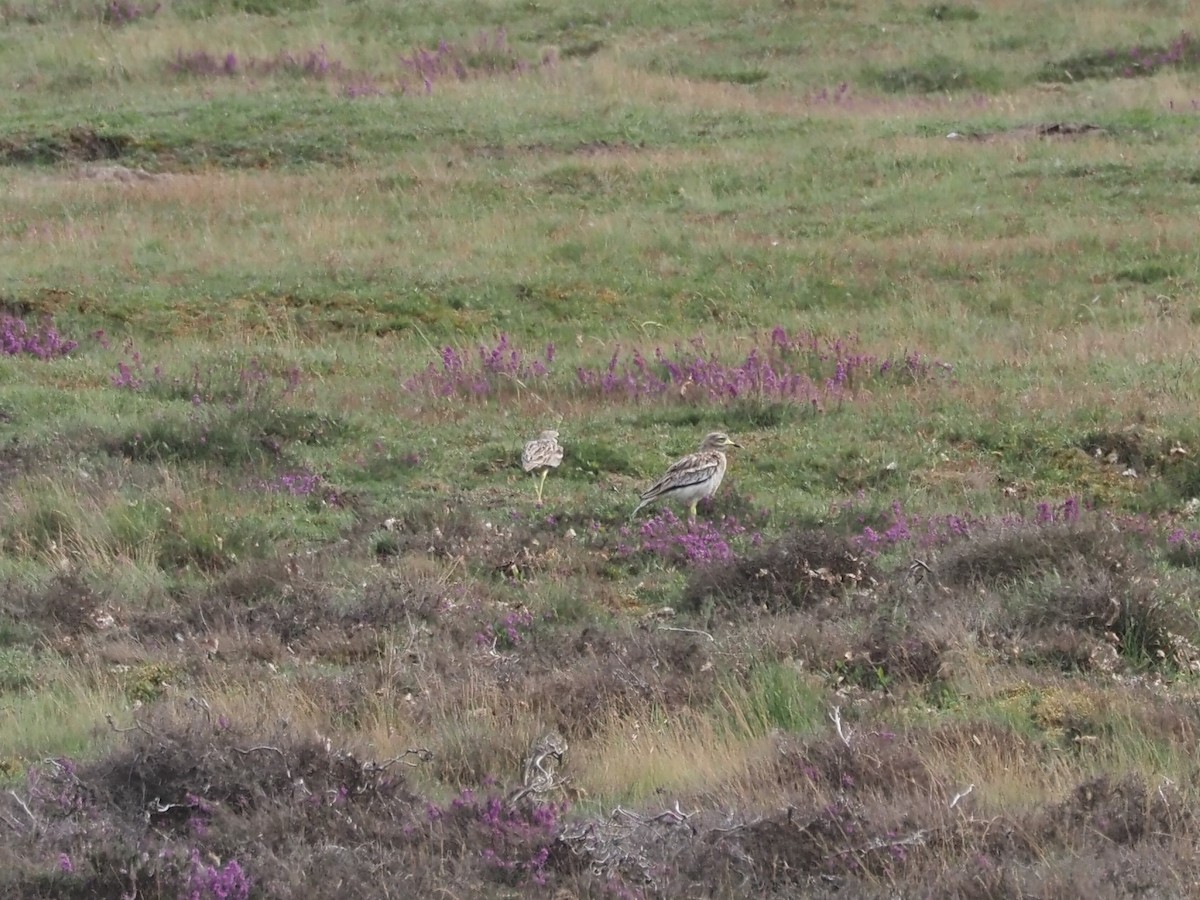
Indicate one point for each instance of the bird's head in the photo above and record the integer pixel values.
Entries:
(718, 440)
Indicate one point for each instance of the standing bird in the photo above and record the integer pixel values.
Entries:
(694, 477)
(542, 454)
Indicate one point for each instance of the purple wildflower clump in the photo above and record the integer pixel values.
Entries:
(495, 371)
(801, 369)
(304, 483)
(1183, 547)
(314, 65)
(1183, 52)
(203, 64)
(671, 539)
(1182, 537)
(836, 97)
(509, 632)
(65, 809)
(212, 882)
(1138, 61)
(43, 342)
(56, 788)
(244, 385)
(898, 528)
(515, 839)
(128, 375)
(488, 57)
(301, 483)
(1066, 512)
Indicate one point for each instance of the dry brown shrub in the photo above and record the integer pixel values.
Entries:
(618, 672)
(1027, 552)
(66, 606)
(882, 761)
(1119, 810)
(1126, 608)
(805, 568)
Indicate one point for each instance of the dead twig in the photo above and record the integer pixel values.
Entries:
(137, 725)
(674, 816)
(21, 803)
(422, 755)
(201, 704)
(961, 794)
(917, 837)
(844, 733)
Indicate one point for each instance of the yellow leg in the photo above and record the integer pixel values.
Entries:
(692, 513)
(541, 483)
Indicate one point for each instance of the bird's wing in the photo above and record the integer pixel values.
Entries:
(540, 453)
(692, 461)
(691, 470)
(530, 454)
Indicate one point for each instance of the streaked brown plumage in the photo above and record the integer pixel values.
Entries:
(691, 479)
(542, 454)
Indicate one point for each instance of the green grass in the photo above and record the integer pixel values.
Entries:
(267, 234)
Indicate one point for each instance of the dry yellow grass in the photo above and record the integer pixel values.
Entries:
(66, 715)
(635, 758)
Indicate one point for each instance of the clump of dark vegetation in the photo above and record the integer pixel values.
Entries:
(598, 674)
(873, 830)
(126, 12)
(489, 56)
(228, 436)
(201, 806)
(204, 8)
(1126, 448)
(1182, 54)
(238, 413)
(312, 64)
(1125, 610)
(1175, 471)
(802, 569)
(933, 75)
(204, 809)
(1011, 555)
(76, 145)
(887, 655)
(952, 12)
(1089, 600)
(1183, 548)
(65, 606)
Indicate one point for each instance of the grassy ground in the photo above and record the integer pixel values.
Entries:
(285, 287)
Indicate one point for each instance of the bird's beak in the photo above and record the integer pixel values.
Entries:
(736, 444)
